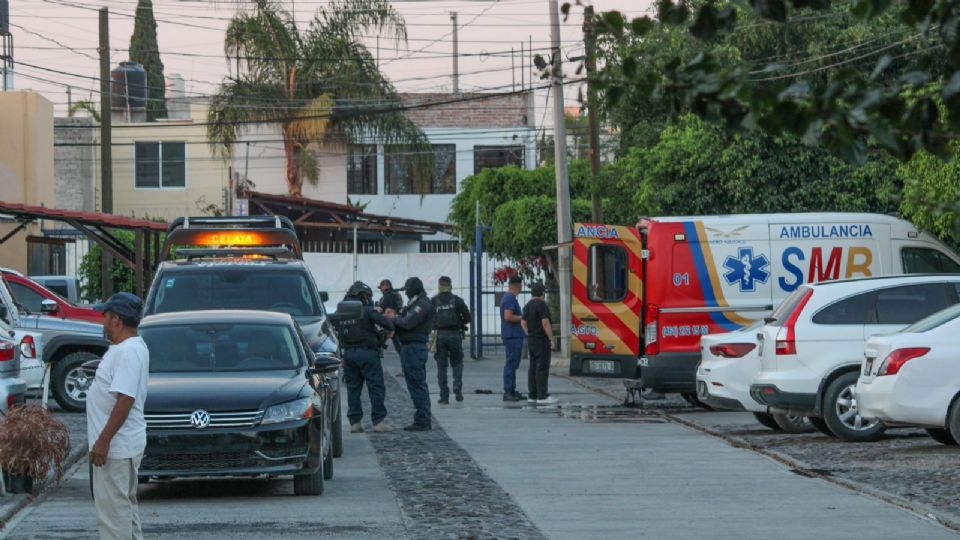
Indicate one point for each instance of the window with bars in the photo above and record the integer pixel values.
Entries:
(485, 157)
(401, 173)
(362, 169)
(160, 165)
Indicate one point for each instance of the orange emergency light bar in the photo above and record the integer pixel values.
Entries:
(228, 238)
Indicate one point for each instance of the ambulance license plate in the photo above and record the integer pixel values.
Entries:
(603, 367)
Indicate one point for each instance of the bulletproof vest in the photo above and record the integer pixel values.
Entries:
(360, 332)
(446, 317)
(422, 330)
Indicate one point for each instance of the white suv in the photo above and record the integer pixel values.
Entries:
(811, 348)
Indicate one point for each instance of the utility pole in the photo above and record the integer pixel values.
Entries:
(523, 67)
(106, 163)
(456, 55)
(513, 69)
(564, 226)
(590, 42)
(106, 142)
(69, 100)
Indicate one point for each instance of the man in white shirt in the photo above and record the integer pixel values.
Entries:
(116, 428)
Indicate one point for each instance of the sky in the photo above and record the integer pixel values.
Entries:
(55, 43)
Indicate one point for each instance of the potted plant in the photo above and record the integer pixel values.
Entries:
(32, 444)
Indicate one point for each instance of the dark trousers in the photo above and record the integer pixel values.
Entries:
(359, 366)
(539, 370)
(396, 343)
(413, 360)
(449, 351)
(514, 347)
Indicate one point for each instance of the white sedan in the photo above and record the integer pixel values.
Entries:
(728, 364)
(913, 377)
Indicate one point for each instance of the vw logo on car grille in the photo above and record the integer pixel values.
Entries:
(200, 419)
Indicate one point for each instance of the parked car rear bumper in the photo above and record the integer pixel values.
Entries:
(787, 402)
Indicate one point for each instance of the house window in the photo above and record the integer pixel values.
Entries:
(402, 176)
(161, 165)
(362, 169)
(496, 156)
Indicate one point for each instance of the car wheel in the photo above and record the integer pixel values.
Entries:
(766, 420)
(793, 424)
(69, 383)
(842, 416)
(692, 399)
(821, 426)
(308, 484)
(942, 436)
(328, 465)
(953, 420)
(337, 438)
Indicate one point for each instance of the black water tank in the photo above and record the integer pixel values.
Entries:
(129, 87)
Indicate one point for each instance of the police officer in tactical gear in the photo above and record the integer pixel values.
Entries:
(392, 300)
(360, 340)
(450, 321)
(413, 327)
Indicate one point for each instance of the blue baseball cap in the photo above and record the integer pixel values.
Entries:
(123, 304)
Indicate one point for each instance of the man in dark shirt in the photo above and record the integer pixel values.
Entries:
(451, 319)
(360, 340)
(390, 300)
(539, 329)
(512, 335)
(413, 326)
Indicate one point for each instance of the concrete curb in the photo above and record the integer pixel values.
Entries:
(945, 519)
(39, 492)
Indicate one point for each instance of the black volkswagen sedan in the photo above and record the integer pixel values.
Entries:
(235, 393)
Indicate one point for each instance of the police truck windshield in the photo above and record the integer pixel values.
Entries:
(236, 288)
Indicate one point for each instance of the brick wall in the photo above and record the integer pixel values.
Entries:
(75, 167)
(506, 111)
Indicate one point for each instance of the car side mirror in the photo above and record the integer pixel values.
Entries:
(348, 310)
(49, 307)
(324, 364)
(324, 296)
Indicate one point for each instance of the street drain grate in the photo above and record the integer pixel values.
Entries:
(602, 413)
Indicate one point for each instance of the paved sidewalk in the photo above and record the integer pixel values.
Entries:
(637, 477)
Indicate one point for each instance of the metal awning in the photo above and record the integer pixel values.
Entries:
(320, 215)
(142, 259)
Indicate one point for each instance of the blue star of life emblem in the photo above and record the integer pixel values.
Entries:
(746, 269)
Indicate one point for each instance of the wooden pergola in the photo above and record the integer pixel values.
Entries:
(142, 259)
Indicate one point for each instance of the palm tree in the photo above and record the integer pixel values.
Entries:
(319, 85)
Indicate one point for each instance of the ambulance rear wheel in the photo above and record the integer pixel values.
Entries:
(692, 399)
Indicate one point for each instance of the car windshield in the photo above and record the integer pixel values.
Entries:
(288, 292)
(933, 321)
(221, 347)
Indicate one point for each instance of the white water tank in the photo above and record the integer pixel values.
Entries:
(178, 107)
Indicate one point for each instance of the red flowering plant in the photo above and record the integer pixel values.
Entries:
(528, 268)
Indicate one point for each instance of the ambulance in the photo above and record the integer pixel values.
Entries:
(643, 296)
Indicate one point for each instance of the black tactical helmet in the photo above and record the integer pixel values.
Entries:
(359, 290)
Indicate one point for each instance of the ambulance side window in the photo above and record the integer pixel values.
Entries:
(607, 273)
(927, 261)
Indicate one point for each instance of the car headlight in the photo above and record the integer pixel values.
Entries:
(289, 411)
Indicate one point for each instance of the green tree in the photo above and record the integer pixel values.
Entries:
(144, 49)
(320, 84)
(841, 101)
(698, 168)
(930, 190)
(90, 270)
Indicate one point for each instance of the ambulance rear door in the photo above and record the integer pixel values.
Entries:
(607, 288)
